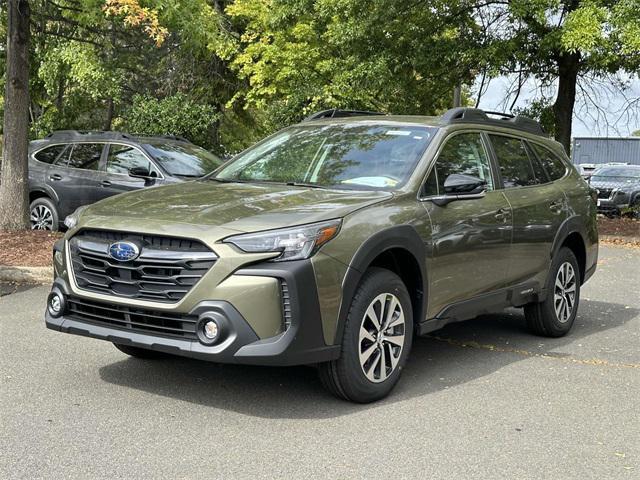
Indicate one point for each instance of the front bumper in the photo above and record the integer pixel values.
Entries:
(301, 343)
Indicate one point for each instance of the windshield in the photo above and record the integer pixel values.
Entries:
(347, 156)
(183, 159)
(616, 174)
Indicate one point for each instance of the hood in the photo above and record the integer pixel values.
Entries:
(614, 183)
(236, 206)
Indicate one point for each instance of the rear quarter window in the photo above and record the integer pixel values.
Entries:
(49, 154)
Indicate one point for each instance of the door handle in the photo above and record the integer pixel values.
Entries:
(503, 214)
(55, 177)
(105, 183)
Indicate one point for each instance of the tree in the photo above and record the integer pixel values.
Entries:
(299, 56)
(636, 133)
(14, 176)
(569, 43)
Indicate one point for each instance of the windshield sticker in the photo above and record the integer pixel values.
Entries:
(404, 133)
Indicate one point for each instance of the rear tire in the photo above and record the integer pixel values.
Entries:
(376, 341)
(138, 352)
(554, 316)
(43, 215)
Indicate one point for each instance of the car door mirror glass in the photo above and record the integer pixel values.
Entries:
(460, 184)
(140, 172)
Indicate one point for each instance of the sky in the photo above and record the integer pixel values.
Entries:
(602, 110)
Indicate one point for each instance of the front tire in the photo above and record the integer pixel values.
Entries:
(554, 316)
(43, 215)
(376, 341)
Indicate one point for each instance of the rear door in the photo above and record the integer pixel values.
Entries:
(470, 238)
(539, 206)
(121, 158)
(76, 176)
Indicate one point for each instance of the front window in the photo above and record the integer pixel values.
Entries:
(339, 156)
(183, 159)
(616, 174)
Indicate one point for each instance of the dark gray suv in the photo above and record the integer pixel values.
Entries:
(69, 169)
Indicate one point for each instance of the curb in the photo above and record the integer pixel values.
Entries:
(39, 275)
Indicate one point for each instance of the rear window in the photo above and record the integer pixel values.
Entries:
(86, 156)
(550, 161)
(515, 165)
(49, 154)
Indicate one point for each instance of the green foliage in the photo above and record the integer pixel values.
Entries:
(175, 115)
(301, 56)
(636, 133)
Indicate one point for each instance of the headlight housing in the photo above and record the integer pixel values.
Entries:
(294, 243)
(72, 220)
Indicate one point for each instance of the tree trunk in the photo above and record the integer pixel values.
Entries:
(109, 119)
(14, 176)
(568, 66)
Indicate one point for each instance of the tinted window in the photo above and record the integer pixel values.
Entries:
(552, 164)
(616, 174)
(183, 159)
(347, 156)
(464, 154)
(85, 156)
(122, 158)
(514, 162)
(538, 169)
(49, 154)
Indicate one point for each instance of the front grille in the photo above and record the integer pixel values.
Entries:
(133, 319)
(604, 192)
(165, 271)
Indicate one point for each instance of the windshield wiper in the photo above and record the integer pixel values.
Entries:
(308, 185)
(225, 180)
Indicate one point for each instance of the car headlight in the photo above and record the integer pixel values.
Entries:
(72, 220)
(293, 243)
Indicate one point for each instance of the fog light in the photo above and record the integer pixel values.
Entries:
(211, 330)
(55, 304)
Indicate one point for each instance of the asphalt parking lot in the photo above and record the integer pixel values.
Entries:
(480, 399)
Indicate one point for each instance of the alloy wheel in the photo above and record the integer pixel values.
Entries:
(41, 218)
(564, 294)
(381, 337)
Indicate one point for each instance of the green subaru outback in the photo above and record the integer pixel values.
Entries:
(333, 243)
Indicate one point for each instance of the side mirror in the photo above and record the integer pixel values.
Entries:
(458, 184)
(139, 172)
(460, 187)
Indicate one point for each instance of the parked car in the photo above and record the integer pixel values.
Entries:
(618, 187)
(69, 169)
(586, 169)
(334, 242)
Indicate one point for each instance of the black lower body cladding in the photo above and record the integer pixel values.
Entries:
(301, 343)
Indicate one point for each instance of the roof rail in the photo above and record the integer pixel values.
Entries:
(66, 134)
(475, 115)
(337, 113)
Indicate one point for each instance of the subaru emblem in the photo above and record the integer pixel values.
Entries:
(124, 251)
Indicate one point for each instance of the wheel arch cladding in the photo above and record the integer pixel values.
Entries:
(399, 249)
(572, 234)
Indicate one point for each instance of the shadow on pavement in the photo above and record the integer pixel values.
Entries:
(296, 392)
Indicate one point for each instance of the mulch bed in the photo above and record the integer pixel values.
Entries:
(33, 248)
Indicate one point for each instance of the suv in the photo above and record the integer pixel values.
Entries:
(69, 169)
(333, 243)
(618, 187)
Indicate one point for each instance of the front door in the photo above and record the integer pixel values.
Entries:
(122, 158)
(471, 238)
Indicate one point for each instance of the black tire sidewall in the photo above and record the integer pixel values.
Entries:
(355, 384)
(55, 226)
(550, 319)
